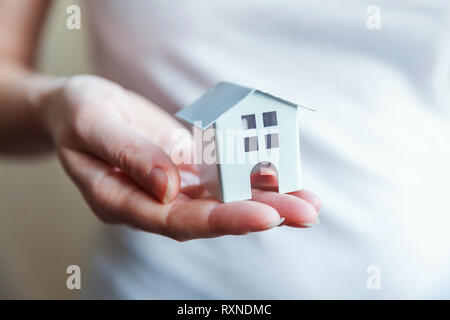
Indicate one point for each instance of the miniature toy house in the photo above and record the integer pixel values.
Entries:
(247, 127)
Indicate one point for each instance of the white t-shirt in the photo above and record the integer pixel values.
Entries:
(377, 151)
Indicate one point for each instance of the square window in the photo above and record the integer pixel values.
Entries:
(251, 144)
(248, 122)
(272, 141)
(270, 119)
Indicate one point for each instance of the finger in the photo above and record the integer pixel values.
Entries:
(113, 141)
(115, 198)
(269, 182)
(264, 178)
(88, 173)
(266, 182)
(296, 211)
(112, 195)
(310, 197)
(205, 218)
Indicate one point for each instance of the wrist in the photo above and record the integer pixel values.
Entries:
(41, 92)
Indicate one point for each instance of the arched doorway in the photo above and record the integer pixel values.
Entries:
(264, 176)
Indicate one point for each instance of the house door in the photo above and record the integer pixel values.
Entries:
(264, 176)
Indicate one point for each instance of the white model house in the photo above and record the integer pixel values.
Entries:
(246, 127)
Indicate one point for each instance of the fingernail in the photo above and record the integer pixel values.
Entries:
(276, 223)
(160, 184)
(305, 225)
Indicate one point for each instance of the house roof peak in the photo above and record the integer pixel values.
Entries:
(218, 100)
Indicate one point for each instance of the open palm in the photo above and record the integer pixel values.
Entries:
(114, 145)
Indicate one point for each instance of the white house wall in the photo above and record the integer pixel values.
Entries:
(209, 172)
(235, 177)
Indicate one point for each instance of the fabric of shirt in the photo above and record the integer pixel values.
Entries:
(377, 151)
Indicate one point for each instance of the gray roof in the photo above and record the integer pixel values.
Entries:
(216, 101)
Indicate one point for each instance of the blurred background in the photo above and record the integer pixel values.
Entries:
(44, 224)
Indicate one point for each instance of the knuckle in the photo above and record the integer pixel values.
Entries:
(172, 228)
(125, 158)
(99, 190)
(131, 199)
(101, 206)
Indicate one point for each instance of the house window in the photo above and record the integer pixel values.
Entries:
(270, 119)
(251, 144)
(248, 122)
(272, 141)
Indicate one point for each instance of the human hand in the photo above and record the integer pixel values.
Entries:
(114, 144)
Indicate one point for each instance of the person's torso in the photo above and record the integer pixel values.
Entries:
(376, 151)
